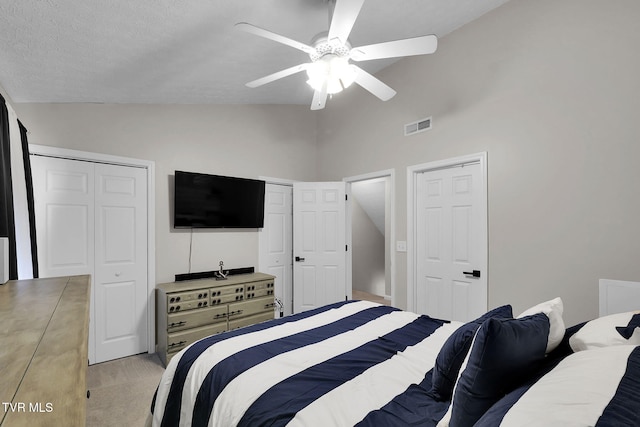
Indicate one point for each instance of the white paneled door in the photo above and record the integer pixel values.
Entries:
(64, 210)
(276, 243)
(451, 243)
(120, 280)
(91, 219)
(319, 244)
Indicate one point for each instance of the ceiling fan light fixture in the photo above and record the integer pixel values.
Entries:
(330, 51)
(332, 69)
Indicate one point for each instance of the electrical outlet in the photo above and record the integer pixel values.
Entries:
(401, 246)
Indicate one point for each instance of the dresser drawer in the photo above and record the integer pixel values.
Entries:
(189, 300)
(259, 289)
(257, 305)
(225, 294)
(191, 319)
(250, 320)
(179, 340)
(200, 294)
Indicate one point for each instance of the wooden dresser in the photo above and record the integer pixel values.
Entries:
(190, 310)
(44, 327)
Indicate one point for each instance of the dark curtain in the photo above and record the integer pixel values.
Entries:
(32, 213)
(7, 220)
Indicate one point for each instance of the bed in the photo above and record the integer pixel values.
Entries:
(365, 364)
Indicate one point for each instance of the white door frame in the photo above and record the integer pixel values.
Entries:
(387, 173)
(412, 173)
(149, 165)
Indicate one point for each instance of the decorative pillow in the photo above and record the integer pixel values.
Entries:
(502, 353)
(454, 351)
(553, 310)
(604, 332)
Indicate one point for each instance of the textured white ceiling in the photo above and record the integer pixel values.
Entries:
(188, 52)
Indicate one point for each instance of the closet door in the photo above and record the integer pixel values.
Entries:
(64, 209)
(120, 280)
(91, 219)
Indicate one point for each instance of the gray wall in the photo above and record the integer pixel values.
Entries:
(550, 90)
(368, 252)
(244, 141)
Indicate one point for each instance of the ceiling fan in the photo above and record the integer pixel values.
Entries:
(330, 70)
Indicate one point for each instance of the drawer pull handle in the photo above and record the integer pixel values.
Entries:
(177, 344)
(270, 305)
(176, 324)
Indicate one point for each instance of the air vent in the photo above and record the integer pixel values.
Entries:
(417, 127)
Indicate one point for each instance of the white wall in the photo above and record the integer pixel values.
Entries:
(244, 141)
(550, 90)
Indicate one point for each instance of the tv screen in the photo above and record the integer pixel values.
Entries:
(213, 201)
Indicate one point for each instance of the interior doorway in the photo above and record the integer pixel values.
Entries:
(319, 276)
(370, 230)
(447, 238)
(281, 228)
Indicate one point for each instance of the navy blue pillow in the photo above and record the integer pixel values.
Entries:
(504, 353)
(455, 349)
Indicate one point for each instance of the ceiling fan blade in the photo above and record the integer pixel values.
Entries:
(345, 13)
(278, 75)
(373, 85)
(244, 26)
(406, 47)
(319, 98)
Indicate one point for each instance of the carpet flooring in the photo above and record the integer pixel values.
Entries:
(361, 295)
(121, 390)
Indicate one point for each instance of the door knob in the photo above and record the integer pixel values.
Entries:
(299, 259)
(474, 273)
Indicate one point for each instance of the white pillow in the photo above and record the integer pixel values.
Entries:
(601, 332)
(553, 310)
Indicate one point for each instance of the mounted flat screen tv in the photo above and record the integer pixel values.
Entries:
(214, 201)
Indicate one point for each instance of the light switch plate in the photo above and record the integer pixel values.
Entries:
(401, 246)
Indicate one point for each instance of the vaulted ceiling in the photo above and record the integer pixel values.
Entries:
(167, 51)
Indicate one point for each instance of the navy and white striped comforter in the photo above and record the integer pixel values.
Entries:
(350, 363)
